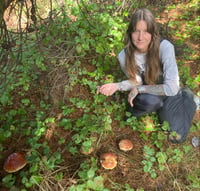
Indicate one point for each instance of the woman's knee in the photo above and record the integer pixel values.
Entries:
(148, 102)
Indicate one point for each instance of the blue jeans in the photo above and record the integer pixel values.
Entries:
(177, 110)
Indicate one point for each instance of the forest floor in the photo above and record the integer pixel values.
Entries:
(129, 169)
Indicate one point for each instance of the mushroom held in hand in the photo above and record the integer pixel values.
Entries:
(125, 145)
(108, 160)
(14, 162)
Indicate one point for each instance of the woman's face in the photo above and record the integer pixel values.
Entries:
(140, 37)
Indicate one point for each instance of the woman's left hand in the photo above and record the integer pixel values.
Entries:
(131, 96)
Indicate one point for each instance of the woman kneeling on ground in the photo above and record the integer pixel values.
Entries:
(153, 80)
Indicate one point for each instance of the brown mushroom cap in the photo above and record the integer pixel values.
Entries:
(125, 145)
(108, 160)
(15, 162)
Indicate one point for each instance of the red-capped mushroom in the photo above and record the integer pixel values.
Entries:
(108, 160)
(125, 145)
(15, 162)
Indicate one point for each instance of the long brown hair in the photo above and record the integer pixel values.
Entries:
(153, 68)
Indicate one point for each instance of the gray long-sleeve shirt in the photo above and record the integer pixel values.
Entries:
(170, 69)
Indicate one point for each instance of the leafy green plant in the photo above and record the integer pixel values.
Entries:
(88, 178)
(161, 159)
(195, 182)
(149, 160)
(9, 180)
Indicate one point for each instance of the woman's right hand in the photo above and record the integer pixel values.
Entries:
(108, 89)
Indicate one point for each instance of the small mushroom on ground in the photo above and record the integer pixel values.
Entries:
(149, 128)
(15, 162)
(125, 145)
(148, 124)
(108, 160)
(86, 151)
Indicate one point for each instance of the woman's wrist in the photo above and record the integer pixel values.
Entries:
(119, 86)
(141, 89)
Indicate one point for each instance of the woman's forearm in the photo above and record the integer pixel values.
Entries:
(128, 85)
(125, 85)
(152, 89)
